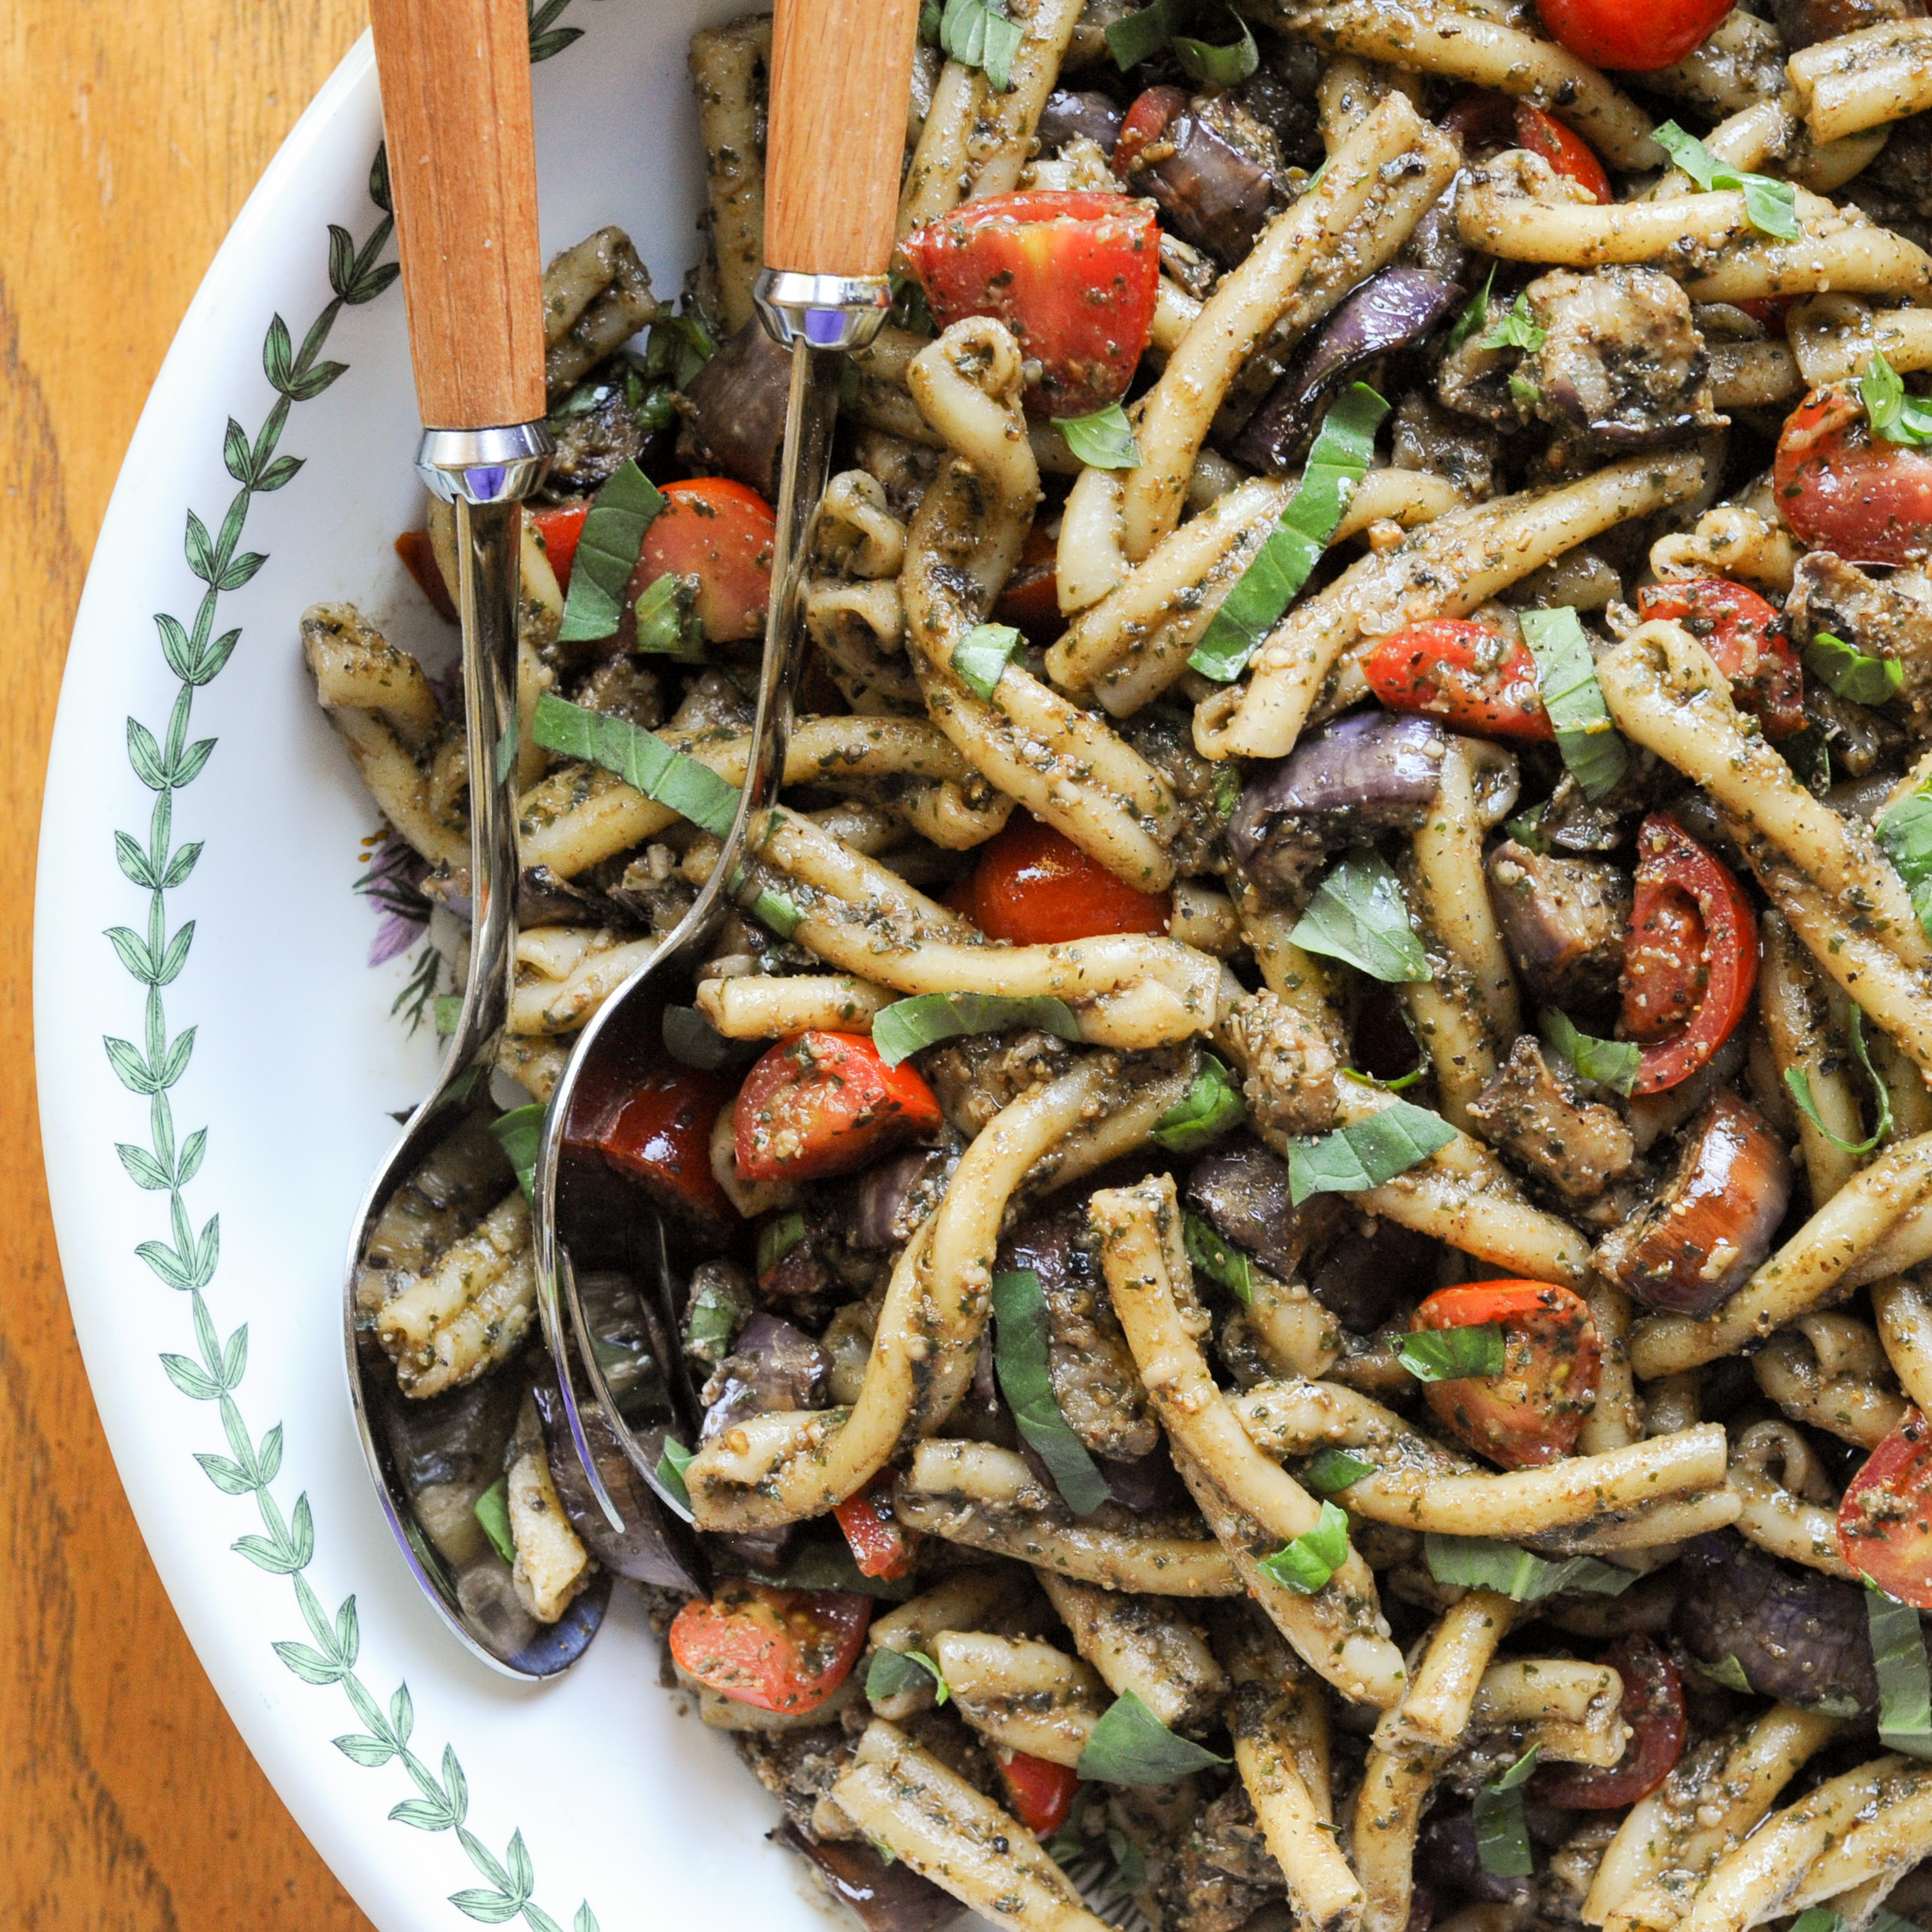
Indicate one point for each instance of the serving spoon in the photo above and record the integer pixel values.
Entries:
(840, 70)
(455, 78)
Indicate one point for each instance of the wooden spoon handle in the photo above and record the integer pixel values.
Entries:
(462, 160)
(841, 74)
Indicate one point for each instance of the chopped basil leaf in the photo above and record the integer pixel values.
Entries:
(692, 1040)
(672, 1462)
(1809, 756)
(1476, 315)
(979, 659)
(1905, 833)
(1103, 440)
(1211, 1107)
(712, 1320)
(1334, 1471)
(1366, 1152)
(1609, 1063)
(826, 1563)
(1215, 65)
(640, 758)
(907, 1026)
(1818, 1920)
(1140, 36)
(1770, 206)
(1482, 1563)
(1728, 1672)
(1130, 1745)
(1527, 829)
(667, 619)
(1307, 1563)
(777, 1239)
(1850, 673)
(1227, 790)
(492, 1510)
(1895, 415)
(1905, 1683)
(1799, 1081)
(1130, 1862)
(1358, 915)
(1020, 1359)
(448, 1010)
(929, 16)
(1516, 328)
(1502, 1839)
(518, 1133)
(1277, 572)
(893, 1673)
(678, 345)
(1566, 677)
(977, 34)
(1450, 1354)
(1216, 1258)
(607, 553)
(776, 912)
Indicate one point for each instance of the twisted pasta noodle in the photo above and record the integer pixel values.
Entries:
(1904, 1319)
(1884, 1844)
(1731, 540)
(729, 69)
(1837, 252)
(565, 973)
(1806, 1036)
(469, 1311)
(1539, 1690)
(1829, 1370)
(1740, 63)
(751, 1006)
(1613, 1422)
(1338, 1631)
(1835, 337)
(1021, 1694)
(1141, 1644)
(1861, 80)
(1494, 216)
(784, 1466)
(860, 629)
(1779, 1515)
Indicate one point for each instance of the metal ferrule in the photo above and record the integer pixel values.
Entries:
(825, 311)
(485, 466)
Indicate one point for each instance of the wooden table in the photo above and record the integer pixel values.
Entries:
(132, 132)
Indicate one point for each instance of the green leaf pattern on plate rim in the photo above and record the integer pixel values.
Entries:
(167, 762)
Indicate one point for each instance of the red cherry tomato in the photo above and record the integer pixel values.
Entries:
(820, 1104)
(418, 556)
(1840, 488)
(1884, 1523)
(722, 533)
(1465, 672)
(560, 526)
(1745, 638)
(1147, 119)
(1638, 39)
(1031, 600)
(1653, 1708)
(1568, 153)
(779, 1650)
(1661, 974)
(1034, 887)
(1530, 1414)
(1075, 276)
(881, 1545)
(658, 1132)
(1040, 1792)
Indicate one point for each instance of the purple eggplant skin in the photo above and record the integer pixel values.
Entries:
(1447, 1852)
(1071, 116)
(1798, 1635)
(889, 1200)
(1243, 1190)
(883, 1898)
(1149, 1485)
(772, 1366)
(1366, 1278)
(1214, 195)
(1389, 311)
(737, 424)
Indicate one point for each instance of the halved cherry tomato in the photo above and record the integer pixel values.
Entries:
(1031, 600)
(1638, 39)
(560, 526)
(1745, 638)
(826, 1103)
(778, 1649)
(657, 1130)
(418, 556)
(1653, 1708)
(1466, 673)
(1884, 1523)
(1841, 489)
(1530, 1414)
(1040, 1791)
(1569, 154)
(1659, 967)
(1074, 275)
(722, 533)
(881, 1545)
(1146, 121)
(1034, 887)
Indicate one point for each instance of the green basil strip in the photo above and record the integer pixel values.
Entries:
(1566, 677)
(713, 1320)
(908, 1026)
(1895, 415)
(977, 34)
(1366, 1152)
(893, 1673)
(447, 1010)
(1609, 1063)
(1215, 65)
(1476, 316)
(980, 658)
(1275, 575)
(1502, 1839)
(1211, 1106)
(1103, 440)
(1307, 1563)
(1333, 1471)
(1818, 1920)
(1020, 1358)
(673, 1460)
(1799, 1081)
(1482, 1563)
(1850, 673)
(640, 758)
(1905, 833)
(777, 1239)
(607, 553)
(692, 1040)
(1358, 915)
(1516, 328)
(518, 1133)
(1227, 789)
(1216, 1258)
(1770, 206)
(1905, 1682)
(1130, 1862)
(1140, 36)
(667, 619)
(1453, 1355)
(492, 1510)
(826, 1563)
(1130, 1745)
(1728, 1672)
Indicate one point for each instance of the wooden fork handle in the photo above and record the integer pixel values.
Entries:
(462, 161)
(840, 77)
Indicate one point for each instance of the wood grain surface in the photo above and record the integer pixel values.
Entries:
(132, 131)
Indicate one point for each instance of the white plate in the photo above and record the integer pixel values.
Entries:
(516, 1803)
